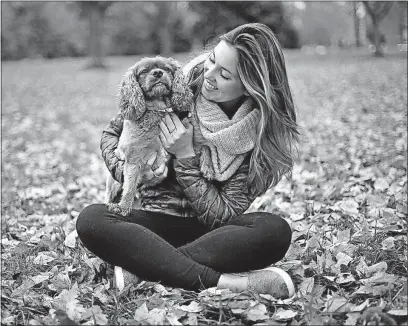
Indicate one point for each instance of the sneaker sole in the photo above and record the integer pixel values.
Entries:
(119, 279)
(286, 278)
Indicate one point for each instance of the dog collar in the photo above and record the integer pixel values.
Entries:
(166, 110)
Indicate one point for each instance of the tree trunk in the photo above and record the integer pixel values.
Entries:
(402, 21)
(165, 27)
(356, 25)
(377, 39)
(96, 16)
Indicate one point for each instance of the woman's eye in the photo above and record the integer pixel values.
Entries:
(226, 78)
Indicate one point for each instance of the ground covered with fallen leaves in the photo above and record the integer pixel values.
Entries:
(346, 201)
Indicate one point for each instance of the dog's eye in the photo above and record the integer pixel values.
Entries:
(144, 71)
(167, 69)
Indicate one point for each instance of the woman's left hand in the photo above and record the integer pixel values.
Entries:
(176, 139)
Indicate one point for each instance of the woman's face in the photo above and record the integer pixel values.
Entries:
(221, 80)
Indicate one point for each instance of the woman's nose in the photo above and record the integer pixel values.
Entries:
(209, 72)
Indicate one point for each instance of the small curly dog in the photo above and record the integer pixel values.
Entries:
(150, 88)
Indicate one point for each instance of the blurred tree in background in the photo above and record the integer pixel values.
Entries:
(96, 28)
(218, 17)
(40, 29)
(377, 11)
(94, 12)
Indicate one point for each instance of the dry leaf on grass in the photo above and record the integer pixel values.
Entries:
(257, 312)
(192, 307)
(283, 314)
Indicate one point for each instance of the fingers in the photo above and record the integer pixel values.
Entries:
(165, 138)
(170, 124)
(151, 160)
(165, 133)
(168, 119)
(161, 171)
(176, 121)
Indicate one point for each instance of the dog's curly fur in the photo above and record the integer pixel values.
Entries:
(149, 89)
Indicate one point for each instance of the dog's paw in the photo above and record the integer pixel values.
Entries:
(118, 209)
(125, 211)
(114, 208)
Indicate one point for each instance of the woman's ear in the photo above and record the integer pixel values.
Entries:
(131, 98)
(182, 97)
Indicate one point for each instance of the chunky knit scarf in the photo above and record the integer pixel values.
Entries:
(224, 142)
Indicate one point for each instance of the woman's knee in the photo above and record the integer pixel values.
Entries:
(88, 218)
(275, 228)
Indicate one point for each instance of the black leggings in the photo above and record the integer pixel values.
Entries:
(180, 251)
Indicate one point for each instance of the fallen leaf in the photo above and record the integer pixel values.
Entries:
(361, 307)
(173, 319)
(343, 236)
(67, 301)
(381, 184)
(343, 259)
(402, 208)
(345, 279)
(101, 293)
(376, 268)
(59, 282)
(192, 307)
(42, 259)
(70, 240)
(380, 278)
(257, 312)
(283, 314)
(388, 243)
(156, 316)
(378, 290)
(40, 278)
(352, 319)
(191, 320)
(306, 287)
(23, 288)
(297, 216)
(95, 312)
(336, 304)
(348, 206)
(141, 313)
(378, 200)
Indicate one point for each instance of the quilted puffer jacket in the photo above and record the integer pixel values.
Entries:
(185, 191)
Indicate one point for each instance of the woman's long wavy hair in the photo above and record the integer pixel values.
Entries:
(261, 68)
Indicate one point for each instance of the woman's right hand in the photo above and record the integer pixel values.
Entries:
(149, 174)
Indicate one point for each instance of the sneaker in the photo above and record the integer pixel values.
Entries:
(273, 281)
(123, 278)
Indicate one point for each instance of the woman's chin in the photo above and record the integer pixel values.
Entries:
(207, 95)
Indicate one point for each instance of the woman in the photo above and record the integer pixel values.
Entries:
(192, 231)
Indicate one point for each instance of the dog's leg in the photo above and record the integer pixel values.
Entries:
(113, 189)
(131, 180)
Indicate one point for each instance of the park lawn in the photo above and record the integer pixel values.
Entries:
(346, 200)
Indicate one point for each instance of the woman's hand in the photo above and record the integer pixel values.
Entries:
(176, 139)
(149, 173)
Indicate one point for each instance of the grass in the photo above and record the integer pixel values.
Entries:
(352, 110)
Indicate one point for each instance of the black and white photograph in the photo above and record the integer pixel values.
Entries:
(204, 163)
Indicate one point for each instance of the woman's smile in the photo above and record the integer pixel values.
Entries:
(209, 86)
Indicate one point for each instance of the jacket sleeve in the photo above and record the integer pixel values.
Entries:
(215, 203)
(109, 142)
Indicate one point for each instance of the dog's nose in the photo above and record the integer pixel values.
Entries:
(157, 73)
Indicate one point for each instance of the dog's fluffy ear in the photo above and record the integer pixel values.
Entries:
(131, 99)
(182, 97)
